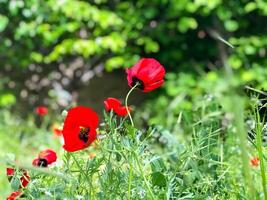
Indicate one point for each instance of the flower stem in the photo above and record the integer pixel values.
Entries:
(126, 102)
(144, 177)
(259, 129)
(238, 111)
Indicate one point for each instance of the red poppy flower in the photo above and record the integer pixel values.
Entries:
(45, 158)
(148, 73)
(79, 129)
(115, 105)
(255, 161)
(24, 180)
(14, 195)
(41, 110)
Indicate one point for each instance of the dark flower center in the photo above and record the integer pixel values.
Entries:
(42, 162)
(140, 83)
(84, 134)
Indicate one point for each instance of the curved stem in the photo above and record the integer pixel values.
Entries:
(126, 102)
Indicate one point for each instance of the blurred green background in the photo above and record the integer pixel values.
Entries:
(53, 49)
(60, 53)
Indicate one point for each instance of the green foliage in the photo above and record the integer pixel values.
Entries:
(51, 31)
(132, 163)
(117, 34)
(140, 164)
(191, 149)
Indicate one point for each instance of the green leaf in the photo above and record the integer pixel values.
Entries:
(3, 22)
(231, 25)
(15, 183)
(7, 99)
(250, 7)
(190, 177)
(114, 63)
(158, 165)
(158, 179)
(235, 62)
(186, 23)
(37, 57)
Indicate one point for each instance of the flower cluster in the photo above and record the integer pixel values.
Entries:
(81, 123)
(24, 179)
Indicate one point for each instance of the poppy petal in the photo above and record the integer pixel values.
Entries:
(153, 86)
(78, 117)
(111, 103)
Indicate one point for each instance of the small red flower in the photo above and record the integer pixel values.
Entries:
(24, 179)
(57, 130)
(10, 171)
(115, 105)
(41, 110)
(14, 195)
(79, 129)
(148, 73)
(255, 161)
(45, 158)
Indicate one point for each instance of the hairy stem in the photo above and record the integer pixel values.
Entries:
(126, 103)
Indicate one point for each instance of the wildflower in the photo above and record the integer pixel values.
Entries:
(115, 105)
(41, 110)
(148, 73)
(10, 171)
(45, 158)
(79, 129)
(57, 130)
(255, 161)
(24, 179)
(14, 195)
